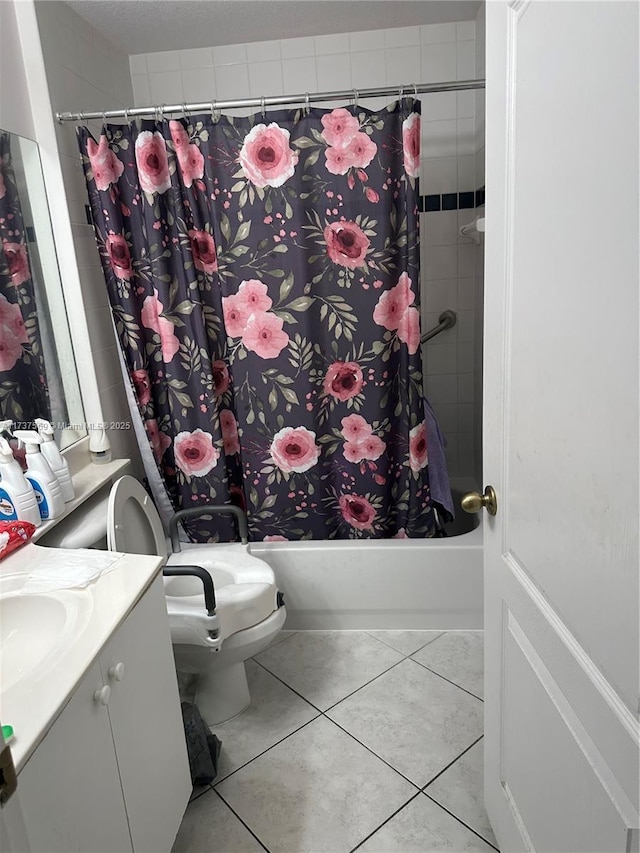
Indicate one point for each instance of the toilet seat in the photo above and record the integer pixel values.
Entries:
(245, 587)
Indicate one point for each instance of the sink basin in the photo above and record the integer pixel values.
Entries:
(30, 627)
(36, 629)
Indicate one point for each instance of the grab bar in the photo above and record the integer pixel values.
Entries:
(446, 321)
(196, 511)
(205, 577)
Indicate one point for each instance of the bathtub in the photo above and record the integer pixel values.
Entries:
(382, 584)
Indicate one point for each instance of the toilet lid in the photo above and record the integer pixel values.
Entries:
(133, 523)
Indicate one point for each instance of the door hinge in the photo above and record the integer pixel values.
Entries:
(8, 778)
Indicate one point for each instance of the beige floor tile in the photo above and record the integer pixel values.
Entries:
(325, 666)
(209, 826)
(317, 791)
(460, 789)
(406, 642)
(274, 713)
(413, 719)
(423, 827)
(458, 656)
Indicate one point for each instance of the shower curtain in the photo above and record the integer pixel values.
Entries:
(263, 274)
(24, 393)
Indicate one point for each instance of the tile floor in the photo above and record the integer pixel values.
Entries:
(368, 741)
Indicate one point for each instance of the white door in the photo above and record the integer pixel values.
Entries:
(561, 426)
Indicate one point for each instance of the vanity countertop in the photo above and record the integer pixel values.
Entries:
(32, 703)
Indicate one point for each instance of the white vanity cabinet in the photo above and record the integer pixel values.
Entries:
(112, 773)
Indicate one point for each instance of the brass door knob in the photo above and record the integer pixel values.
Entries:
(473, 501)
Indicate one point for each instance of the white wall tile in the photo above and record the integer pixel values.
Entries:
(299, 75)
(439, 176)
(441, 359)
(197, 57)
(367, 69)
(232, 81)
(229, 54)
(263, 51)
(334, 72)
(440, 295)
(334, 43)
(265, 78)
(439, 139)
(438, 63)
(198, 84)
(465, 30)
(466, 135)
(141, 90)
(439, 106)
(366, 40)
(403, 65)
(298, 47)
(466, 173)
(466, 294)
(466, 104)
(441, 262)
(166, 87)
(439, 228)
(442, 389)
(465, 60)
(166, 60)
(466, 256)
(437, 33)
(465, 388)
(401, 36)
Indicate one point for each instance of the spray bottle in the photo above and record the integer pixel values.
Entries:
(56, 460)
(17, 497)
(44, 481)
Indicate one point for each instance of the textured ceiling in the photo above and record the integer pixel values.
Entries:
(145, 26)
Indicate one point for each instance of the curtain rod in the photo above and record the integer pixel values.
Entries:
(276, 100)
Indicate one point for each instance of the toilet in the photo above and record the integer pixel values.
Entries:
(248, 607)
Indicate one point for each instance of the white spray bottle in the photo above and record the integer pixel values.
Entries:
(17, 497)
(44, 481)
(56, 460)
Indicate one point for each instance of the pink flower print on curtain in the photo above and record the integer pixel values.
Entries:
(23, 377)
(268, 310)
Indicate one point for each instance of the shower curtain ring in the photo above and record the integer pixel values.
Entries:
(262, 107)
(356, 95)
(401, 93)
(307, 102)
(184, 109)
(104, 120)
(415, 90)
(127, 119)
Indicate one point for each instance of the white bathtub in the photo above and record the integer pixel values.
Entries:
(380, 584)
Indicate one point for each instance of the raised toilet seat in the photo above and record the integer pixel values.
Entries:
(248, 611)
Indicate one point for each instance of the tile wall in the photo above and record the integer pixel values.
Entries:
(430, 53)
(85, 71)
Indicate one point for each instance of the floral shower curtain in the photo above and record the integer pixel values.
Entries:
(263, 274)
(23, 384)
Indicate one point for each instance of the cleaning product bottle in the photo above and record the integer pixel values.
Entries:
(14, 444)
(44, 481)
(17, 497)
(56, 460)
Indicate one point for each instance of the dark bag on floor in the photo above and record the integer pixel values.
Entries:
(203, 747)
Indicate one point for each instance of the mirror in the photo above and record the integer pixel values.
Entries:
(38, 375)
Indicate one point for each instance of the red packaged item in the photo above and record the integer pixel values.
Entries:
(13, 534)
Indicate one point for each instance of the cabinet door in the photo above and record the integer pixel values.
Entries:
(147, 724)
(70, 789)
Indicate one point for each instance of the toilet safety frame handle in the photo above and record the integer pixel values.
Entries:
(205, 577)
(211, 509)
